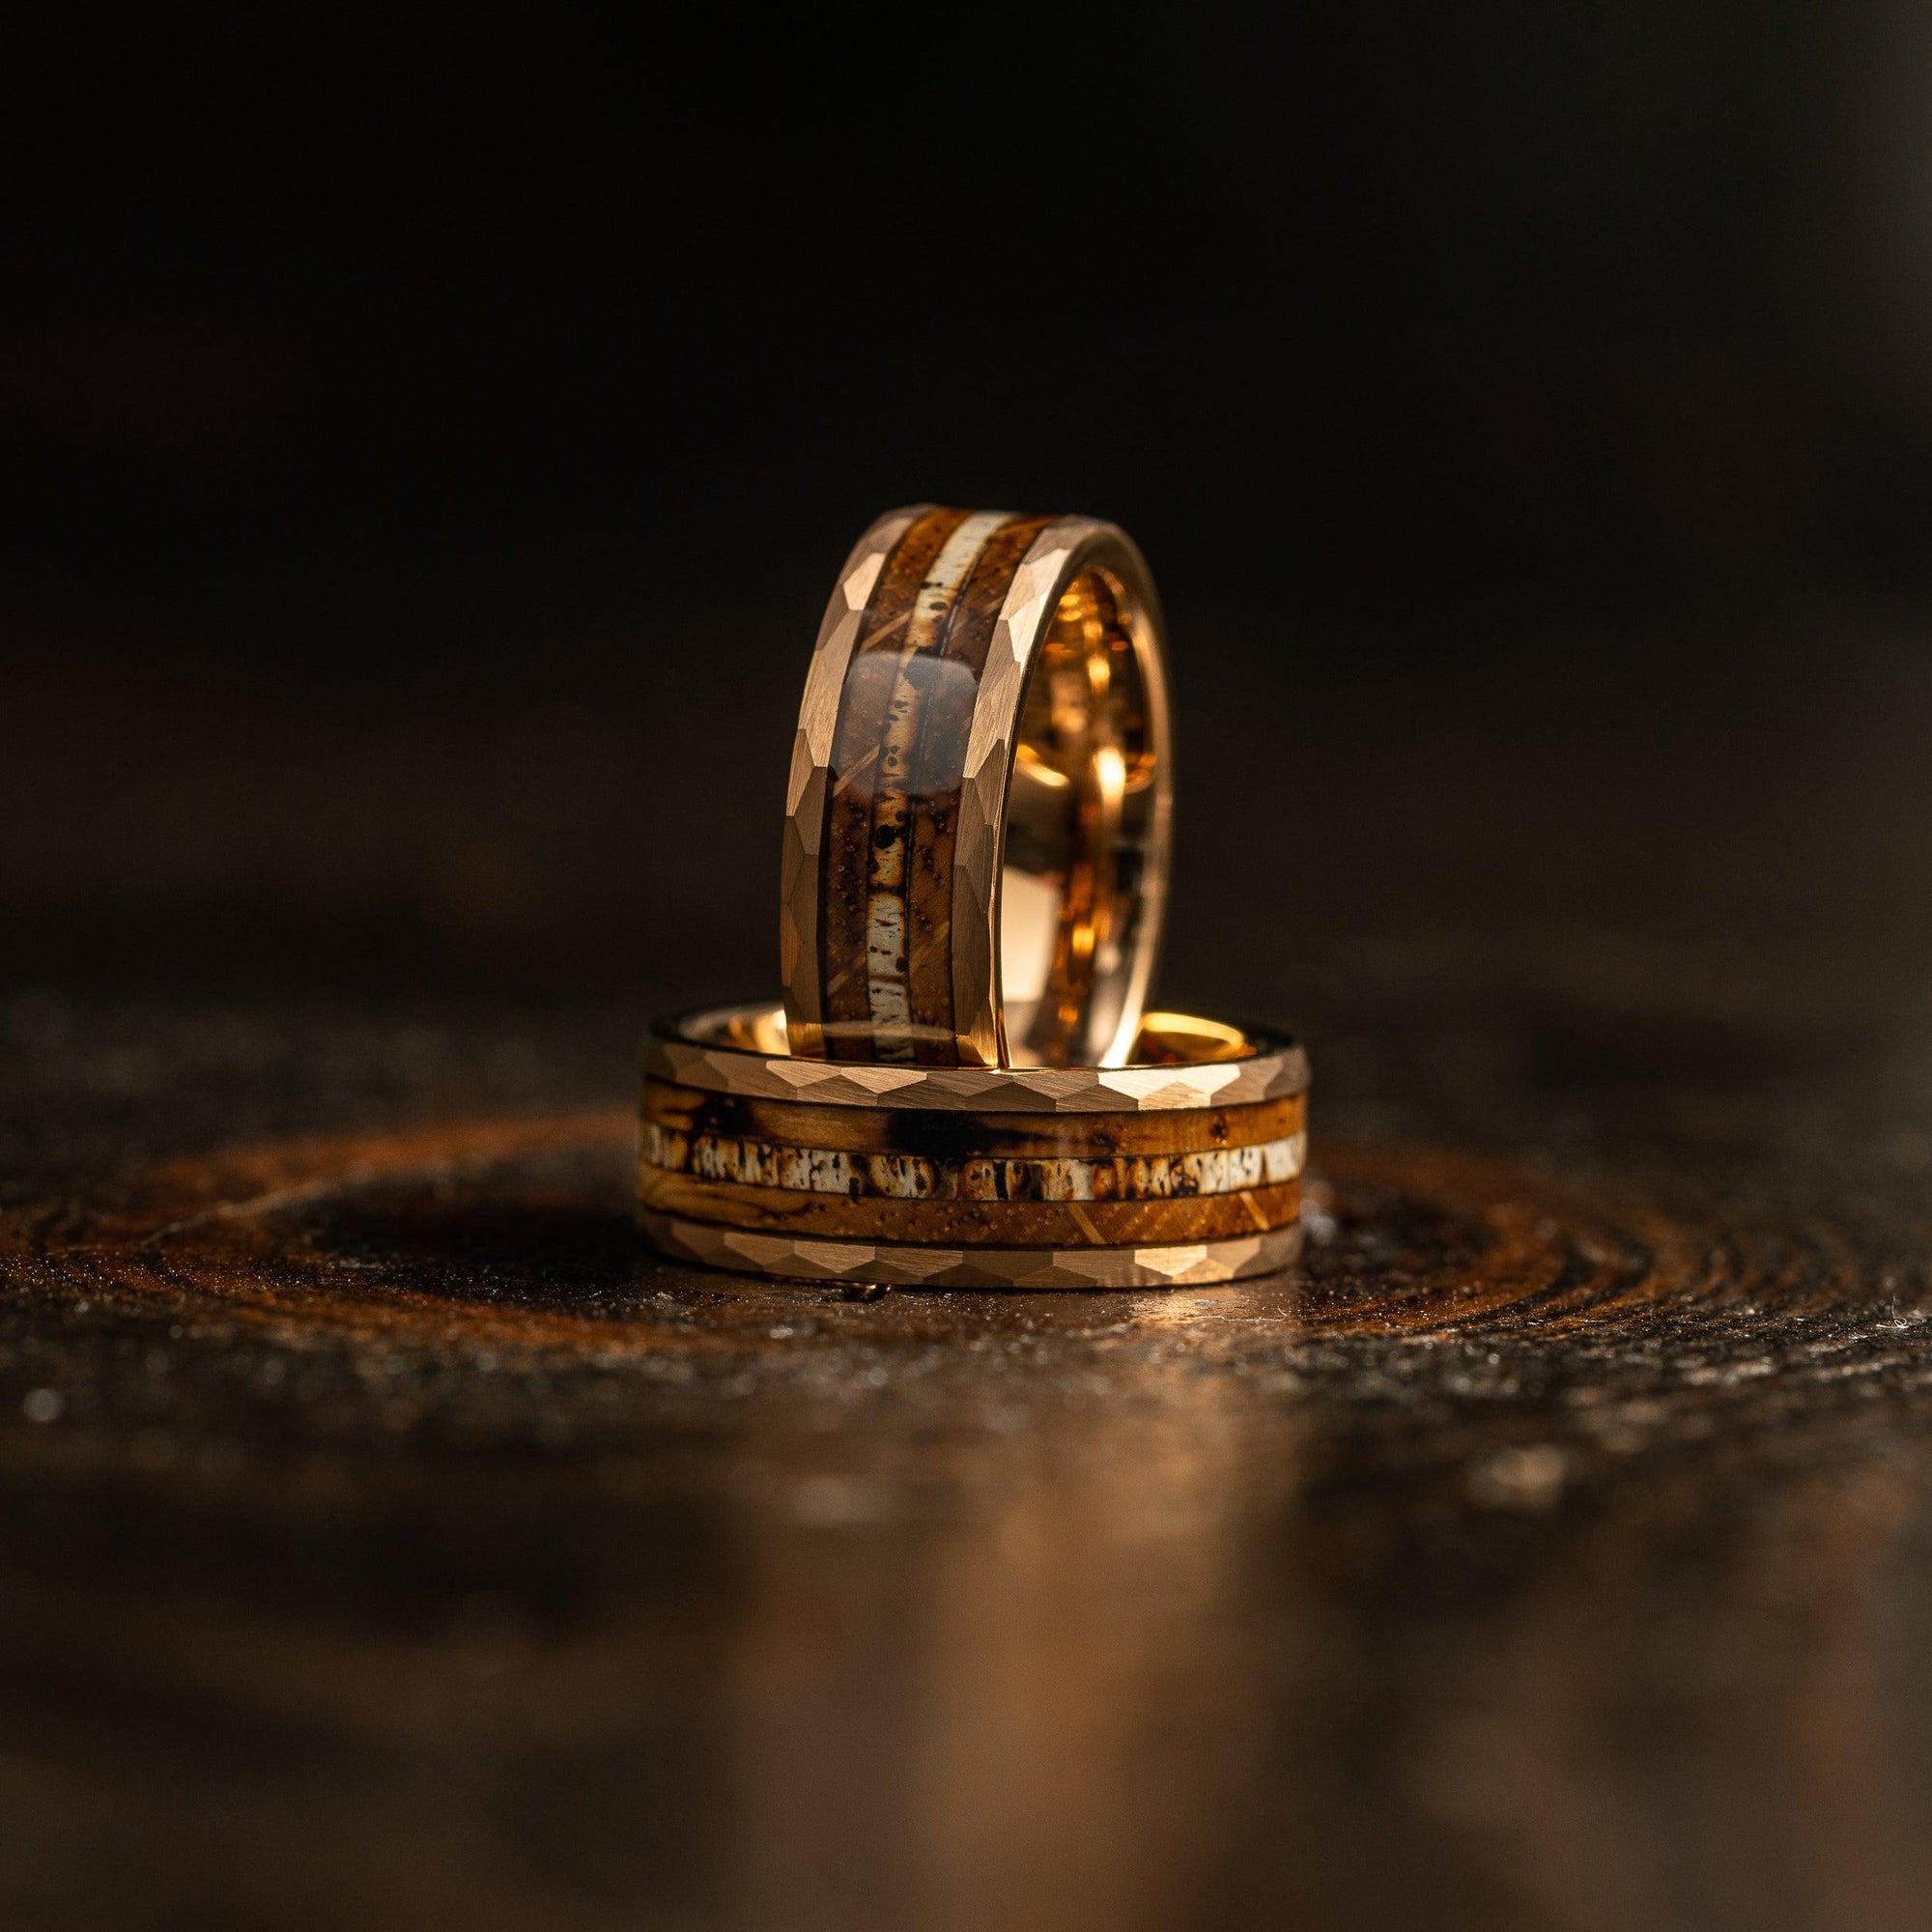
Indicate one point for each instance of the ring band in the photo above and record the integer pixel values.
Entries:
(977, 813)
(1184, 1169)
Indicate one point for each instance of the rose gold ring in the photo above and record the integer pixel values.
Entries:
(978, 817)
(1183, 1166)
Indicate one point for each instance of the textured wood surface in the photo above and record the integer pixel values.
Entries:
(386, 1540)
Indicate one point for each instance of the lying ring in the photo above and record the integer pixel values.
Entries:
(978, 815)
(1183, 1167)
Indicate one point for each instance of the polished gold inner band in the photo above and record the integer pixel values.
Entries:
(976, 829)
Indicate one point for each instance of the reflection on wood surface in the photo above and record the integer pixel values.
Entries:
(1530, 1556)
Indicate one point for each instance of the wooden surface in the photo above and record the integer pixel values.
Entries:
(387, 1542)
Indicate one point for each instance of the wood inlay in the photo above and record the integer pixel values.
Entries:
(939, 1135)
(914, 1177)
(845, 922)
(971, 1222)
(919, 682)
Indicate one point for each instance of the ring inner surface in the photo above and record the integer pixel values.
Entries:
(1079, 832)
(1164, 1039)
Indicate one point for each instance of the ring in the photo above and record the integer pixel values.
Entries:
(978, 814)
(1183, 1166)
(961, 1088)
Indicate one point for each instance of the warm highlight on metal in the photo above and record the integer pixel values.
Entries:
(976, 818)
(1186, 1168)
(895, 1265)
(1179, 1063)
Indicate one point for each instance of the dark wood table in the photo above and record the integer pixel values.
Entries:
(385, 1541)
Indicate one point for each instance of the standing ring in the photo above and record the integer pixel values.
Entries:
(977, 817)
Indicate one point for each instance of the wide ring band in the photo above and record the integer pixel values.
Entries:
(976, 818)
(1184, 1169)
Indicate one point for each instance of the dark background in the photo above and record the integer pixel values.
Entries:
(428, 438)
(428, 441)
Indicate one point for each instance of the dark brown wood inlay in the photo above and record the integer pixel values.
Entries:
(1196, 1217)
(940, 768)
(933, 1134)
(846, 863)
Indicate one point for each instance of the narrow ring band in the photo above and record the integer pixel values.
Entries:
(977, 813)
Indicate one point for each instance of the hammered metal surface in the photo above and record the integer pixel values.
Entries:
(972, 1201)
(1279, 1070)
(983, 790)
(800, 1258)
(817, 1170)
(967, 899)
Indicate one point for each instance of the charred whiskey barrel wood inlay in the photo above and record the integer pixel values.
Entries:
(938, 1135)
(899, 601)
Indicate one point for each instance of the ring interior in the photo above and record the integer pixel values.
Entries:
(1081, 826)
(1163, 1040)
